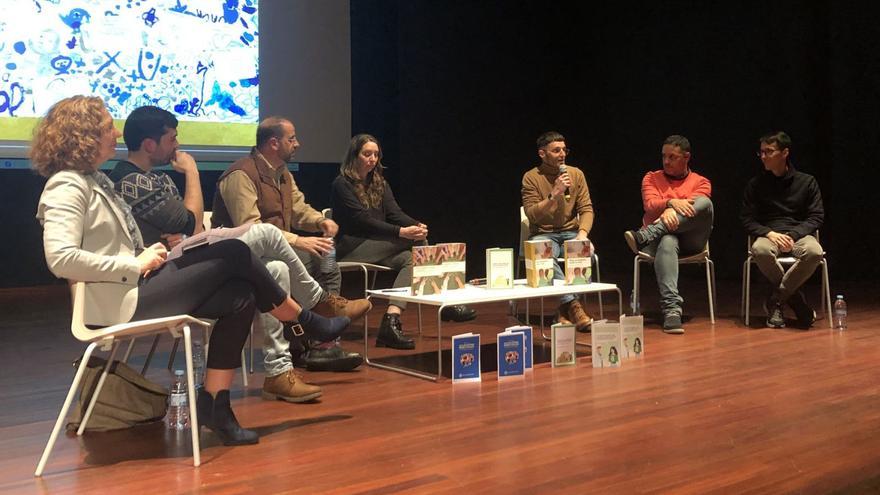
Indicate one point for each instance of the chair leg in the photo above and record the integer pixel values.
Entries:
(742, 294)
(419, 306)
(828, 311)
(637, 307)
(173, 353)
(599, 280)
(748, 285)
(128, 351)
(62, 415)
(191, 391)
(244, 370)
(150, 354)
(709, 289)
(251, 351)
(97, 392)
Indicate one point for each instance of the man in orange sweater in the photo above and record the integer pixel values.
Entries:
(677, 222)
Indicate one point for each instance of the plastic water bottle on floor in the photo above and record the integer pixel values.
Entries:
(840, 313)
(177, 417)
(198, 357)
(633, 303)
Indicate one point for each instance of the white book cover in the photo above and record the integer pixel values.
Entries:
(632, 330)
(499, 268)
(562, 345)
(606, 344)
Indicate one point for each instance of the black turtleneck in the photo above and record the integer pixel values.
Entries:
(790, 204)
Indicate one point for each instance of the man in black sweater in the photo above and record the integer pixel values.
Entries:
(782, 209)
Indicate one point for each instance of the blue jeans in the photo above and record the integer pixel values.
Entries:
(558, 239)
(690, 238)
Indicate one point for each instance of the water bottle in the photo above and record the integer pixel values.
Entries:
(840, 313)
(198, 357)
(633, 303)
(177, 417)
(328, 261)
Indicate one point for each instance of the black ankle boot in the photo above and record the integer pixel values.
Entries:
(391, 334)
(320, 328)
(216, 414)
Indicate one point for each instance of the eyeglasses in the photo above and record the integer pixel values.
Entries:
(766, 153)
(567, 151)
(671, 157)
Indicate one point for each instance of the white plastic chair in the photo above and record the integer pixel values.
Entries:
(694, 259)
(524, 234)
(108, 338)
(825, 290)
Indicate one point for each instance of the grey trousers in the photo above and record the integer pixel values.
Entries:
(806, 250)
(284, 264)
(396, 254)
(690, 238)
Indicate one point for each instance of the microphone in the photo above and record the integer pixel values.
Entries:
(563, 169)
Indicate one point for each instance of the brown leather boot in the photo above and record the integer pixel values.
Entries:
(339, 306)
(576, 314)
(290, 387)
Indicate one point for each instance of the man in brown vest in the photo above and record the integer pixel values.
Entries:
(260, 188)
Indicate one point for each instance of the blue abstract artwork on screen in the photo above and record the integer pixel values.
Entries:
(196, 58)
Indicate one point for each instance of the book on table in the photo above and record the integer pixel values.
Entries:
(466, 358)
(578, 261)
(452, 265)
(606, 344)
(427, 271)
(539, 262)
(562, 345)
(511, 354)
(499, 268)
(529, 350)
(632, 332)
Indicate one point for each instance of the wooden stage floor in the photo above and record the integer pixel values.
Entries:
(721, 409)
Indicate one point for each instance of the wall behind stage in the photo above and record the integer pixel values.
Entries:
(459, 93)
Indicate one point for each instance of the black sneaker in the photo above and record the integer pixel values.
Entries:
(331, 357)
(774, 316)
(806, 316)
(672, 324)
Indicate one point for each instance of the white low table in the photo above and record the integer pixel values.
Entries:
(473, 295)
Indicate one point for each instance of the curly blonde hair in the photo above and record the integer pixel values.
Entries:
(69, 136)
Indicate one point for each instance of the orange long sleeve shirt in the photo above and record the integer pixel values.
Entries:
(658, 188)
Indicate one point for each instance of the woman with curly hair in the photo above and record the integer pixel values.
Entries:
(373, 229)
(89, 235)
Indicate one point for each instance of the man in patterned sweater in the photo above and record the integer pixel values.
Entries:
(150, 134)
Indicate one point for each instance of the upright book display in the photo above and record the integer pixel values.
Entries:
(562, 343)
(466, 358)
(427, 271)
(499, 268)
(453, 265)
(632, 330)
(606, 344)
(539, 262)
(511, 354)
(578, 262)
(527, 331)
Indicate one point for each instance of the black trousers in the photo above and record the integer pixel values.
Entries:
(222, 281)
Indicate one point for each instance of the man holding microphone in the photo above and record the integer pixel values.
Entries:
(557, 203)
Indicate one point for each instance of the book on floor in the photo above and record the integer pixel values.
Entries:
(528, 332)
(562, 345)
(511, 354)
(539, 262)
(453, 265)
(632, 331)
(578, 262)
(499, 268)
(606, 344)
(427, 271)
(466, 358)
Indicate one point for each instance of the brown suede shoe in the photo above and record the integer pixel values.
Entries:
(339, 306)
(576, 314)
(290, 387)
